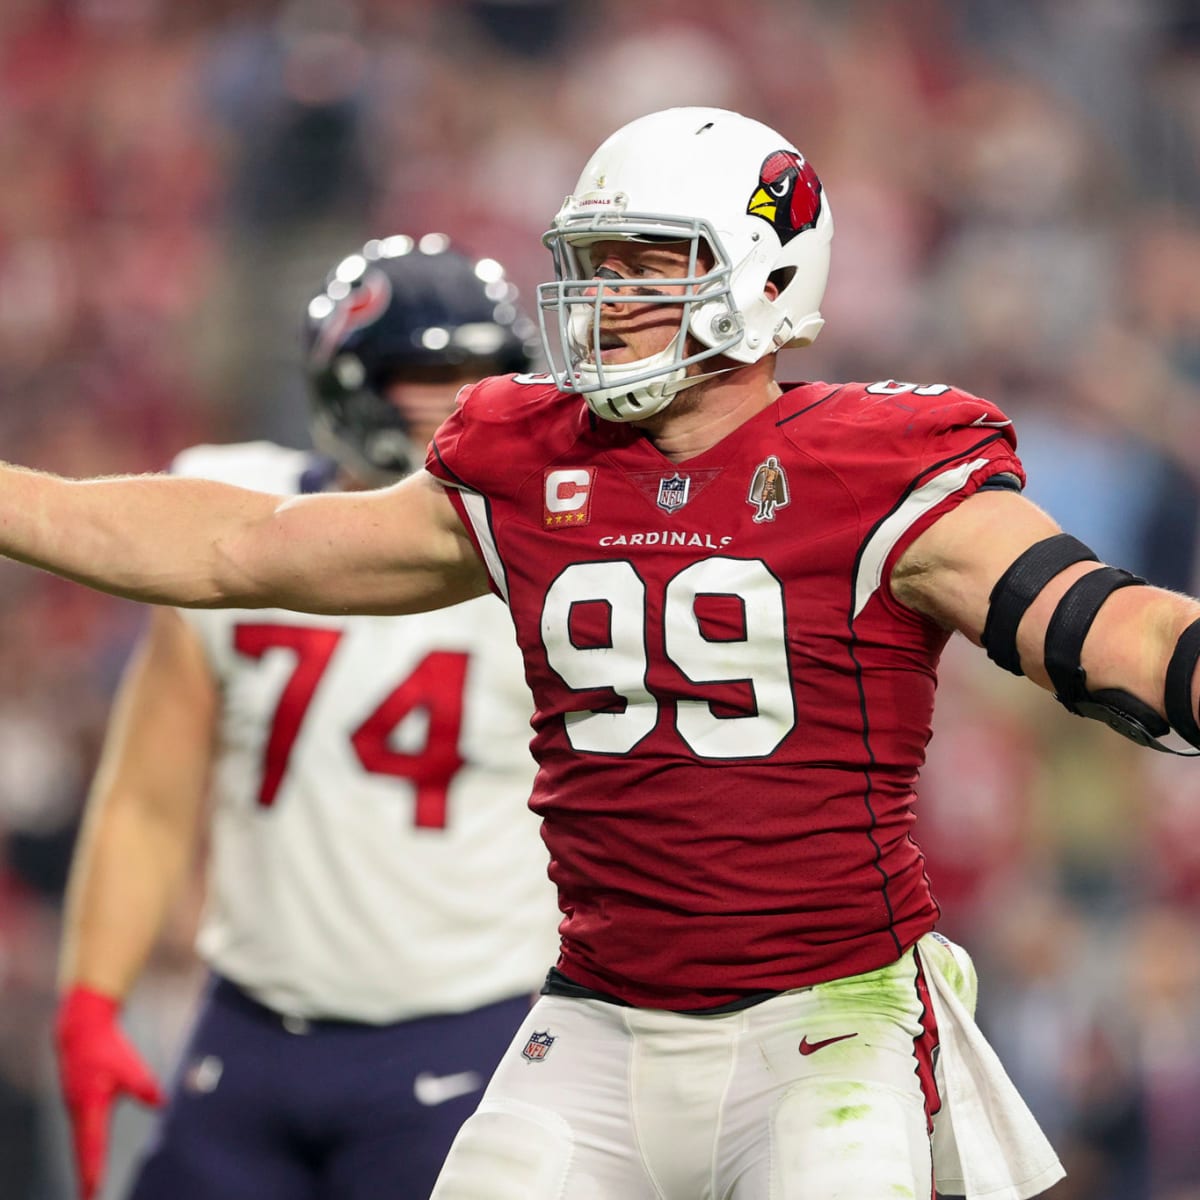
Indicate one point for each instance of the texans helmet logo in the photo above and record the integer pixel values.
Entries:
(788, 196)
(363, 305)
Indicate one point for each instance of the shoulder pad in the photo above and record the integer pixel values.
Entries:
(501, 429)
(924, 409)
(508, 398)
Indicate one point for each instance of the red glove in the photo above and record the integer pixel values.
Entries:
(97, 1064)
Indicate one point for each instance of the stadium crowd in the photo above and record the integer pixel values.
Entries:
(1017, 196)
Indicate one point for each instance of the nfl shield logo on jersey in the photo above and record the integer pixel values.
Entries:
(538, 1046)
(673, 492)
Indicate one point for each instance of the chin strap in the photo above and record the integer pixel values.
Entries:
(656, 398)
(659, 399)
(688, 381)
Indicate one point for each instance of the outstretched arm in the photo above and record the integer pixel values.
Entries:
(198, 544)
(949, 571)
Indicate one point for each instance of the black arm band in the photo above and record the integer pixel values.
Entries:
(1177, 695)
(1120, 710)
(1069, 626)
(1017, 589)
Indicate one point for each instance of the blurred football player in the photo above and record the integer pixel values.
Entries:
(731, 712)
(378, 914)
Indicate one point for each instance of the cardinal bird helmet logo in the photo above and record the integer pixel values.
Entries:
(788, 195)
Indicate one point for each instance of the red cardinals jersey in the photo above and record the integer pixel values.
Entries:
(732, 709)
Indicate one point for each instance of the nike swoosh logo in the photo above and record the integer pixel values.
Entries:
(807, 1047)
(987, 422)
(432, 1090)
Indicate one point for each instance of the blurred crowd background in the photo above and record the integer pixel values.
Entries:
(1017, 196)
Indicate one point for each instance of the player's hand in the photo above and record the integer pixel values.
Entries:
(97, 1064)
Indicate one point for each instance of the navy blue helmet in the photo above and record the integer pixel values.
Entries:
(405, 309)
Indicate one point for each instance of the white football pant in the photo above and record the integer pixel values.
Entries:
(824, 1093)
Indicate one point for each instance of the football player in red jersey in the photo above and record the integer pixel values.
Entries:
(731, 712)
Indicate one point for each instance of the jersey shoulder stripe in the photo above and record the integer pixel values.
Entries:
(919, 500)
(475, 510)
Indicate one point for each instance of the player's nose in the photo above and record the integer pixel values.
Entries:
(608, 294)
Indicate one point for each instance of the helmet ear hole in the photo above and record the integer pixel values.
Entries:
(781, 277)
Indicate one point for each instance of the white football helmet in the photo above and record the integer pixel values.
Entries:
(712, 178)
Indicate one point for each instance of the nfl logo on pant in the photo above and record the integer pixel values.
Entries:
(538, 1046)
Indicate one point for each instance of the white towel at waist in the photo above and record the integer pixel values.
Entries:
(986, 1143)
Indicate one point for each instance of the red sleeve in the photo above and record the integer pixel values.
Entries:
(931, 452)
(497, 429)
(485, 449)
(961, 437)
